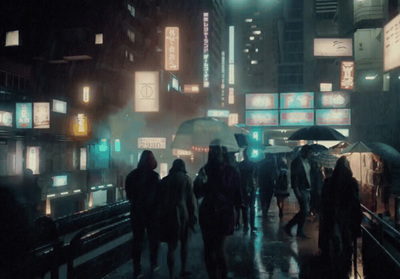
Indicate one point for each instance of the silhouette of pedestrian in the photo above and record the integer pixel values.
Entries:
(218, 184)
(281, 190)
(142, 190)
(266, 180)
(178, 213)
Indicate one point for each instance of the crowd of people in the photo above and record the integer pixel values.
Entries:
(222, 197)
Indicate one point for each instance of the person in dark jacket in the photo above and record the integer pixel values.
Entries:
(266, 180)
(218, 184)
(340, 219)
(142, 190)
(178, 213)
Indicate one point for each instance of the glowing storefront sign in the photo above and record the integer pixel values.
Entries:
(23, 115)
(231, 96)
(83, 158)
(32, 159)
(41, 115)
(231, 55)
(152, 143)
(181, 152)
(59, 106)
(347, 75)
(80, 127)
(391, 44)
(297, 117)
(6, 119)
(222, 78)
(218, 113)
(333, 116)
(325, 87)
(335, 99)
(262, 101)
(233, 119)
(191, 88)
(206, 69)
(171, 48)
(146, 92)
(262, 118)
(333, 47)
(86, 94)
(297, 100)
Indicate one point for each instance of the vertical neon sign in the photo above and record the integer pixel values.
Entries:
(222, 78)
(206, 81)
(171, 48)
(231, 54)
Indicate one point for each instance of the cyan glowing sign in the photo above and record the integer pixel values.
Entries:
(262, 118)
(304, 100)
(304, 117)
(23, 115)
(333, 116)
(262, 101)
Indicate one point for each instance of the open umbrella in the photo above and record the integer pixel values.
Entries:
(197, 133)
(325, 159)
(315, 147)
(277, 149)
(386, 152)
(316, 133)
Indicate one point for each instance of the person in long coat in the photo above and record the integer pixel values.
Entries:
(218, 184)
(142, 190)
(178, 213)
(266, 180)
(340, 218)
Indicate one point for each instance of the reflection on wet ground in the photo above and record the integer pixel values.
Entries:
(267, 253)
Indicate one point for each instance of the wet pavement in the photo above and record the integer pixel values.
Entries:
(267, 253)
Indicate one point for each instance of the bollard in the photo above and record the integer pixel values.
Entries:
(397, 213)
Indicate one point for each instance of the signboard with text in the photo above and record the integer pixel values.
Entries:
(262, 117)
(59, 106)
(334, 99)
(302, 100)
(6, 119)
(171, 48)
(333, 47)
(23, 115)
(391, 44)
(297, 117)
(347, 75)
(146, 92)
(262, 101)
(333, 117)
(41, 115)
(152, 143)
(218, 113)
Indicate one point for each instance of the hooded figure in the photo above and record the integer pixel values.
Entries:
(142, 189)
(178, 213)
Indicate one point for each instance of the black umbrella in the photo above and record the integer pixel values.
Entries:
(317, 133)
(385, 151)
(316, 148)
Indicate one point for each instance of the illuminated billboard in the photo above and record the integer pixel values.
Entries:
(218, 113)
(333, 117)
(391, 44)
(303, 100)
(334, 99)
(347, 75)
(233, 119)
(146, 91)
(262, 101)
(59, 106)
(333, 47)
(60, 180)
(262, 117)
(171, 48)
(206, 56)
(231, 73)
(23, 114)
(152, 143)
(41, 115)
(82, 159)
(86, 94)
(80, 125)
(301, 117)
(191, 88)
(325, 86)
(6, 118)
(32, 159)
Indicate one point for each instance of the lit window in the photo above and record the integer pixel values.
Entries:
(251, 38)
(131, 35)
(248, 20)
(246, 50)
(253, 26)
(131, 57)
(131, 9)
(12, 38)
(257, 32)
(253, 62)
(99, 39)
(256, 50)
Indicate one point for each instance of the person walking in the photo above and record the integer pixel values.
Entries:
(302, 179)
(178, 213)
(218, 184)
(248, 181)
(142, 190)
(281, 190)
(384, 179)
(340, 219)
(266, 180)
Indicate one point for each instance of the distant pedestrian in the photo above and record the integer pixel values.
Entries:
(218, 183)
(302, 178)
(248, 181)
(142, 189)
(384, 181)
(281, 190)
(266, 181)
(340, 219)
(178, 213)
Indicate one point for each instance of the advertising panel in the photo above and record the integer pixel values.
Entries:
(59, 106)
(60, 180)
(206, 70)
(32, 159)
(171, 48)
(6, 118)
(146, 92)
(152, 143)
(297, 117)
(325, 86)
(191, 88)
(391, 44)
(80, 127)
(303, 100)
(347, 75)
(333, 47)
(23, 113)
(41, 115)
(82, 159)
(333, 117)
(262, 101)
(233, 119)
(262, 117)
(334, 99)
(86, 94)
(231, 73)
(218, 113)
